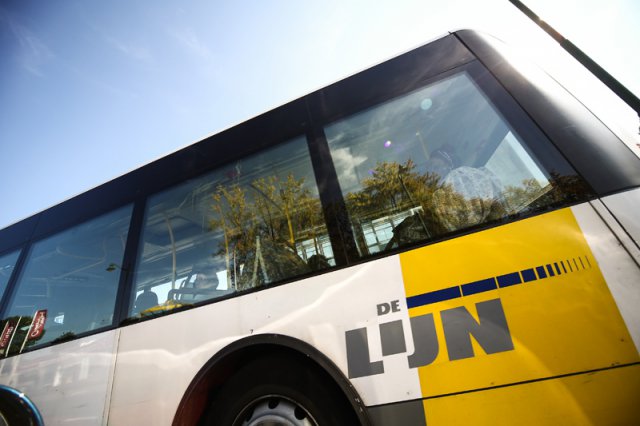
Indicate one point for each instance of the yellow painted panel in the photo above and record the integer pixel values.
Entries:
(561, 324)
(607, 397)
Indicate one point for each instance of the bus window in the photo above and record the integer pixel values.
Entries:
(69, 283)
(435, 161)
(244, 225)
(7, 264)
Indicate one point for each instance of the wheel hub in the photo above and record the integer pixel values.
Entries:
(275, 411)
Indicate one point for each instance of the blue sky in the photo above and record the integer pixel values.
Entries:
(90, 90)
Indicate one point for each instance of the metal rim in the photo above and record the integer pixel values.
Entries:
(274, 410)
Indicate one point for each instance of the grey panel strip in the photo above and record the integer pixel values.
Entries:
(409, 413)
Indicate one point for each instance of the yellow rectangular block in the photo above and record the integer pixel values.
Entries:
(561, 317)
(609, 397)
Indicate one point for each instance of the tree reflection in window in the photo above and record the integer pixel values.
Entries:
(264, 224)
(247, 224)
(436, 161)
(402, 198)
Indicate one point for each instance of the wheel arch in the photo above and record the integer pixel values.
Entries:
(223, 364)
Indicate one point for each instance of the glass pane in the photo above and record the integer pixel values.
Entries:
(69, 284)
(432, 162)
(7, 264)
(250, 223)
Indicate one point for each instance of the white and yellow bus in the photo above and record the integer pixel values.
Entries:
(445, 238)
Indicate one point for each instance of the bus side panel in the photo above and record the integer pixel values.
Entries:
(339, 313)
(617, 255)
(622, 206)
(523, 302)
(77, 372)
(526, 302)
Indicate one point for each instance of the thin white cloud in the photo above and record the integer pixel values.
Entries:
(102, 85)
(33, 54)
(131, 50)
(188, 38)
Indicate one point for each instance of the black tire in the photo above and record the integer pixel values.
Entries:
(272, 390)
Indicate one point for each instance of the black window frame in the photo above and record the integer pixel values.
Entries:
(23, 257)
(536, 140)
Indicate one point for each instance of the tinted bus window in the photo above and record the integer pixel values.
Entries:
(247, 224)
(69, 283)
(434, 161)
(7, 264)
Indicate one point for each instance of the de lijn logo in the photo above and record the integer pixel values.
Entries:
(490, 331)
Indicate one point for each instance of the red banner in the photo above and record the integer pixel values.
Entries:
(37, 326)
(9, 328)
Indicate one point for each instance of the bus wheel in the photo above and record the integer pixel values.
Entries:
(280, 391)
